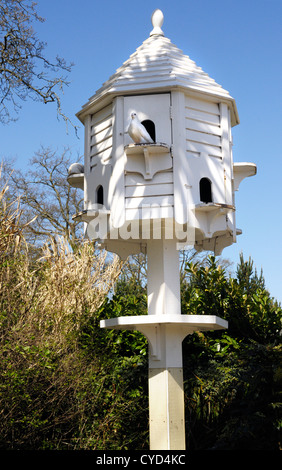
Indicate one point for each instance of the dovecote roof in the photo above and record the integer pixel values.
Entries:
(157, 66)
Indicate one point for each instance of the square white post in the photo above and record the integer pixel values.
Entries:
(166, 396)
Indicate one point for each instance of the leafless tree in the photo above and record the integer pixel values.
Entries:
(45, 193)
(25, 72)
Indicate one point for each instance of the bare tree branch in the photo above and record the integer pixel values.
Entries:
(24, 70)
(46, 194)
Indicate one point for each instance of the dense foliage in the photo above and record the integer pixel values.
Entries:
(68, 384)
(233, 379)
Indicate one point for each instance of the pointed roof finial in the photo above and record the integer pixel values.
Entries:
(157, 19)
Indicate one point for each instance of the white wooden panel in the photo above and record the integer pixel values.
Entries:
(102, 135)
(200, 126)
(101, 147)
(203, 138)
(107, 153)
(226, 132)
(149, 213)
(212, 169)
(226, 152)
(202, 116)
(150, 190)
(99, 175)
(215, 172)
(100, 126)
(116, 183)
(94, 162)
(101, 115)
(204, 131)
(201, 105)
(167, 422)
(159, 178)
(86, 159)
(101, 140)
(181, 164)
(132, 203)
(199, 148)
(153, 107)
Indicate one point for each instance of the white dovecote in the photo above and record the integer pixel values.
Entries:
(186, 177)
(160, 194)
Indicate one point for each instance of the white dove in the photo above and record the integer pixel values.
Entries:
(137, 131)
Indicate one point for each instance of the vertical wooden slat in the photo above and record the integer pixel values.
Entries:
(226, 155)
(87, 125)
(181, 169)
(116, 183)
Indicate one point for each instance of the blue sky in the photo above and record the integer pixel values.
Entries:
(238, 43)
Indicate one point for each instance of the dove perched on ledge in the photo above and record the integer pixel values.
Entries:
(138, 132)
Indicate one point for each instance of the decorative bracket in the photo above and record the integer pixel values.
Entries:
(165, 333)
(147, 159)
(242, 170)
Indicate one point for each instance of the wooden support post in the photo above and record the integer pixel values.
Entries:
(166, 396)
(166, 409)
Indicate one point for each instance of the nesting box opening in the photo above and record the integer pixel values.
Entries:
(150, 128)
(205, 190)
(100, 195)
